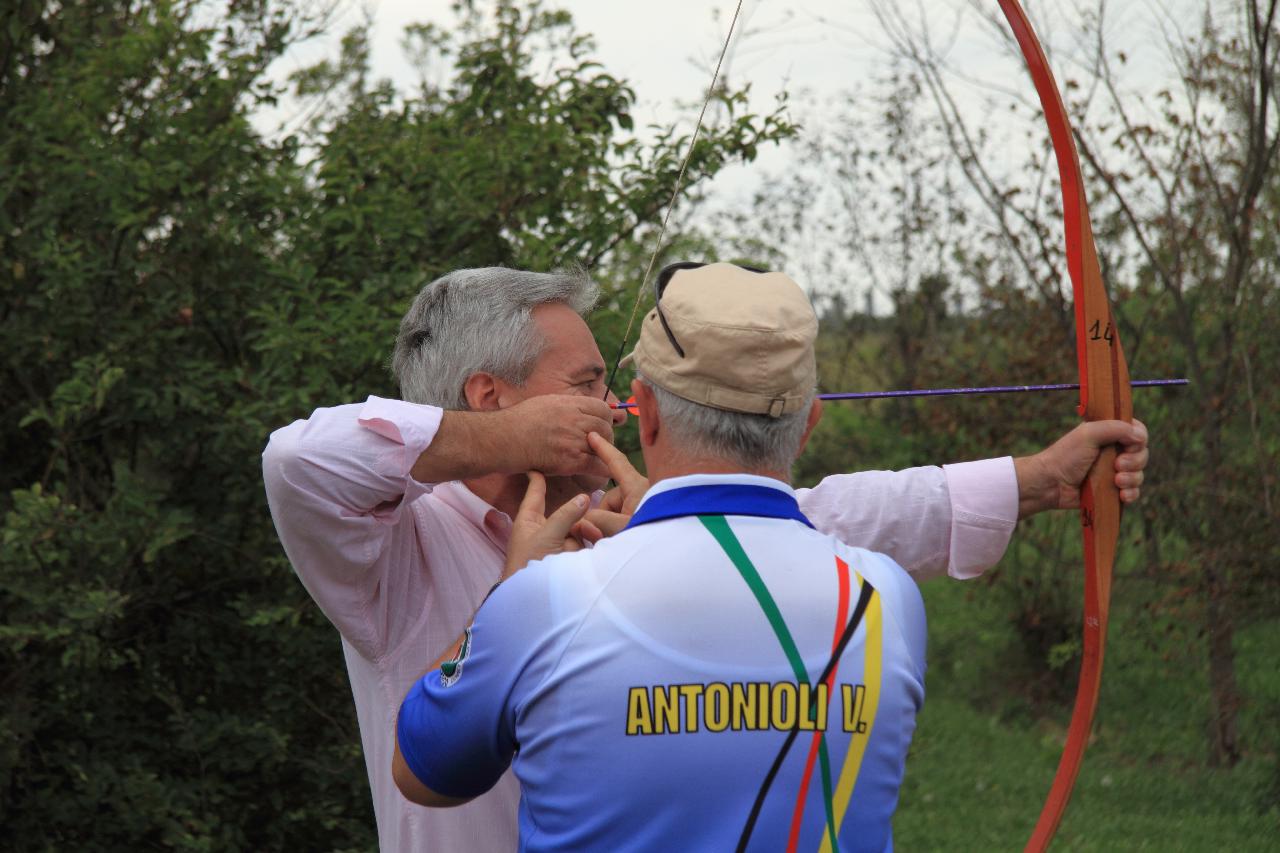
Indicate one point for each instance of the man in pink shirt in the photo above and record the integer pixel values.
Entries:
(396, 513)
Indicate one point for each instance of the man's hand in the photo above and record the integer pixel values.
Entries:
(534, 534)
(1051, 479)
(552, 432)
(619, 503)
(547, 433)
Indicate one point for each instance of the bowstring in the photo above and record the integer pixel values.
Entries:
(675, 195)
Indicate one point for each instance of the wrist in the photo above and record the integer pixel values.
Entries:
(491, 444)
(504, 448)
(1036, 491)
(516, 560)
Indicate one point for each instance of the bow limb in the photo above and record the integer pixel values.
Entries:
(1104, 394)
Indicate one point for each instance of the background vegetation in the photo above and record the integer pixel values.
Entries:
(175, 285)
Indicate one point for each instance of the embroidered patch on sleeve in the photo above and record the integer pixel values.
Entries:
(451, 670)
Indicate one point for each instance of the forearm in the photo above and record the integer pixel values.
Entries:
(469, 445)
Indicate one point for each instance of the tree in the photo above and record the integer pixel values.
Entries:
(174, 287)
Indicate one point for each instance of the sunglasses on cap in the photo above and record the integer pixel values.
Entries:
(660, 284)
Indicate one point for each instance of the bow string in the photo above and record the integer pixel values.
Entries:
(671, 205)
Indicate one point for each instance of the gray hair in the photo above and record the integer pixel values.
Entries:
(478, 321)
(756, 442)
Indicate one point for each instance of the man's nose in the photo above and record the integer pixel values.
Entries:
(619, 415)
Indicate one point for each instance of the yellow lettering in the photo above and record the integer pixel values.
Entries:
(804, 713)
(820, 721)
(756, 705)
(666, 710)
(854, 697)
(690, 692)
(639, 720)
(744, 706)
(715, 707)
(784, 705)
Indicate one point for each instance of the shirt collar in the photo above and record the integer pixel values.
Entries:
(475, 509)
(484, 515)
(718, 494)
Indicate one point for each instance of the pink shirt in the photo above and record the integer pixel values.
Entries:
(400, 567)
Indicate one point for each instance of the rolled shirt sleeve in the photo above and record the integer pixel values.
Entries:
(337, 484)
(984, 511)
(953, 520)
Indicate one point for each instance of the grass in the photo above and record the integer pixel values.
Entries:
(984, 756)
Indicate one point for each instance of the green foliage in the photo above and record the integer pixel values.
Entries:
(175, 287)
(139, 223)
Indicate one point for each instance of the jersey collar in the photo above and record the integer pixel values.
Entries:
(718, 494)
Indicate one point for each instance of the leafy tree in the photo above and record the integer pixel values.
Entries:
(174, 287)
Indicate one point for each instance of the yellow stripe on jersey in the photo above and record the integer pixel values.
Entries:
(874, 621)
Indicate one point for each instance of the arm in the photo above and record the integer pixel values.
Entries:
(533, 537)
(546, 433)
(416, 792)
(338, 482)
(957, 520)
(455, 734)
(954, 520)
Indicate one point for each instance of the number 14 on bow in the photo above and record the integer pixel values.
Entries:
(1104, 394)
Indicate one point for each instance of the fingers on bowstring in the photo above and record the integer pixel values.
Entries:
(606, 521)
(612, 500)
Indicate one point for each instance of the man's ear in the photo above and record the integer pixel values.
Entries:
(815, 415)
(647, 404)
(482, 392)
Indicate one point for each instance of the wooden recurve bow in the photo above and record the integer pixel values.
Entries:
(1104, 395)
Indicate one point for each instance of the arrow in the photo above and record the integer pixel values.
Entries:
(950, 392)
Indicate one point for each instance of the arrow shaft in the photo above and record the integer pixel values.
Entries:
(951, 392)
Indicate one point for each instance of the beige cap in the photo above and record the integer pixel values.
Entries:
(747, 338)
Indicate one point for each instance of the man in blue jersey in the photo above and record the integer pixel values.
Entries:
(716, 675)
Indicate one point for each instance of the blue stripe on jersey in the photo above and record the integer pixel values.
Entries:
(729, 499)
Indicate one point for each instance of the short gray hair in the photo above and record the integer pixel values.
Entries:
(478, 321)
(756, 442)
